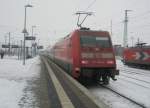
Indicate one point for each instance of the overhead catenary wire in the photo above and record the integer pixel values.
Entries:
(140, 18)
(90, 5)
(134, 19)
(141, 25)
(141, 15)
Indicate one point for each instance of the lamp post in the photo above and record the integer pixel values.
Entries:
(38, 44)
(32, 48)
(5, 42)
(35, 46)
(25, 33)
(33, 29)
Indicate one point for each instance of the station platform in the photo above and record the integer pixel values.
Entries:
(41, 84)
(66, 92)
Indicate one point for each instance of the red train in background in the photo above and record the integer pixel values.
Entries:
(86, 54)
(138, 56)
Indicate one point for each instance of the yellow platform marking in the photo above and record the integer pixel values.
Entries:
(64, 99)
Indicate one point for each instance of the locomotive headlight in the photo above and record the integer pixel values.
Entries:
(77, 69)
(84, 62)
(110, 62)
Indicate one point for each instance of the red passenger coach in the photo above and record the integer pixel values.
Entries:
(86, 54)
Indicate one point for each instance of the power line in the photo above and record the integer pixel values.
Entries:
(132, 21)
(139, 26)
(141, 20)
(117, 23)
(135, 17)
(141, 15)
(90, 5)
(7, 26)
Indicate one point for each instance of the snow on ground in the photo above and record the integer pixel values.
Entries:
(133, 83)
(111, 99)
(14, 79)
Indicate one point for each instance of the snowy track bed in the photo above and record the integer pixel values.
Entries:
(112, 98)
(126, 97)
(132, 85)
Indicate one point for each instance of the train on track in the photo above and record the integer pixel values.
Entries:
(138, 56)
(86, 54)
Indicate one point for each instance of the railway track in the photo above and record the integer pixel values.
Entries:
(126, 97)
(135, 83)
(135, 78)
(135, 71)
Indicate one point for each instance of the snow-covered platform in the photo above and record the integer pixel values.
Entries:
(22, 86)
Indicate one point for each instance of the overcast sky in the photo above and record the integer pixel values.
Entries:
(56, 18)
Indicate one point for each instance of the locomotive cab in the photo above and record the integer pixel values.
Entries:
(97, 59)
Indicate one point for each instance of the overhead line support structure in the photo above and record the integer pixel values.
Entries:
(125, 36)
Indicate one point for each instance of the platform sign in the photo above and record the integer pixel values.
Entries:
(5, 46)
(11, 46)
(30, 38)
(39, 47)
(14, 46)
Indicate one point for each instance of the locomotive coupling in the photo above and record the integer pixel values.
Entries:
(115, 72)
(113, 78)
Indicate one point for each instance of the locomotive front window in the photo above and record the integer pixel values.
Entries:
(95, 41)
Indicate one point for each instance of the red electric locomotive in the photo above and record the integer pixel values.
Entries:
(86, 54)
(138, 56)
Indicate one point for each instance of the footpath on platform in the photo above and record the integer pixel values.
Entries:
(35, 85)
